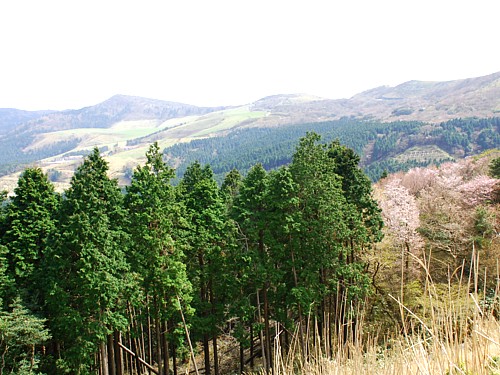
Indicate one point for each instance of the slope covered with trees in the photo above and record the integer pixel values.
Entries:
(115, 274)
(156, 277)
(383, 147)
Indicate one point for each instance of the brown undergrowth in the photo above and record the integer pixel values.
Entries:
(455, 331)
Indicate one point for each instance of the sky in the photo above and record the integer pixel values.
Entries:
(68, 54)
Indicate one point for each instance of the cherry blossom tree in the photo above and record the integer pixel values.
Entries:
(402, 219)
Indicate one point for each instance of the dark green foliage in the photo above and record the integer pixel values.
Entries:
(377, 143)
(484, 228)
(156, 245)
(14, 156)
(230, 186)
(272, 251)
(306, 230)
(402, 112)
(209, 237)
(87, 269)
(30, 220)
(495, 168)
(155, 217)
(6, 282)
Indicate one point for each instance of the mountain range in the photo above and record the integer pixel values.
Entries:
(124, 126)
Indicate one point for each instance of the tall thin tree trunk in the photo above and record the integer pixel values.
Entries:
(158, 342)
(174, 358)
(242, 358)
(216, 355)
(130, 362)
(118, 353)
(214, 338)
(267, 330)
(104, 358)
(267, 344)
(111, 355)
(203, 299)
(251, 346)
(301, 320)
(165, 350)
(261, 334)
(142, 343)
(191, 351)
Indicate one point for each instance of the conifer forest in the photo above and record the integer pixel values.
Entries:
(206, 278)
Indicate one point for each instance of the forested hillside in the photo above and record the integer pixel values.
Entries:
(388, 147)
(160, 277)
(125, 126)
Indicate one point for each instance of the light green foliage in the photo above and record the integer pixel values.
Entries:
(20, 334)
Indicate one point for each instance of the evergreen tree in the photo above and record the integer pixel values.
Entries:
(20, 333)
(333, 227)
(30, 219)
(357, 189)
(230, 187)
(88, 273)
(5, 280)
(250, 211)
(209, 236)
(6, 283)
(156, 252)
(495, 168)
(362, 215)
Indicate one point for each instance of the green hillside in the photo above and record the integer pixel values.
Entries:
(383, 147)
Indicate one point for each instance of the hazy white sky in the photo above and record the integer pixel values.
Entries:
(59, 54)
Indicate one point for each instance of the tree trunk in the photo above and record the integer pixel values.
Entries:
(166, 354)
(118, 353)
(149, 357)
(242, 358)
(111, 355)
(267, 330)
(301, 327)
(251, 346)
(104, 358)
(158, 342)
(267, 344)
(203, 299)
(214, 338)
(174, 358)
(142, 343)
(216, 355)
(261, 334)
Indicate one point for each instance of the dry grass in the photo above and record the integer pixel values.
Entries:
(458, 334)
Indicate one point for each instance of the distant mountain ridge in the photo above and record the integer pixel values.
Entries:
(412, 100)
(115, 109)
(124, 126)
(10, 118)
